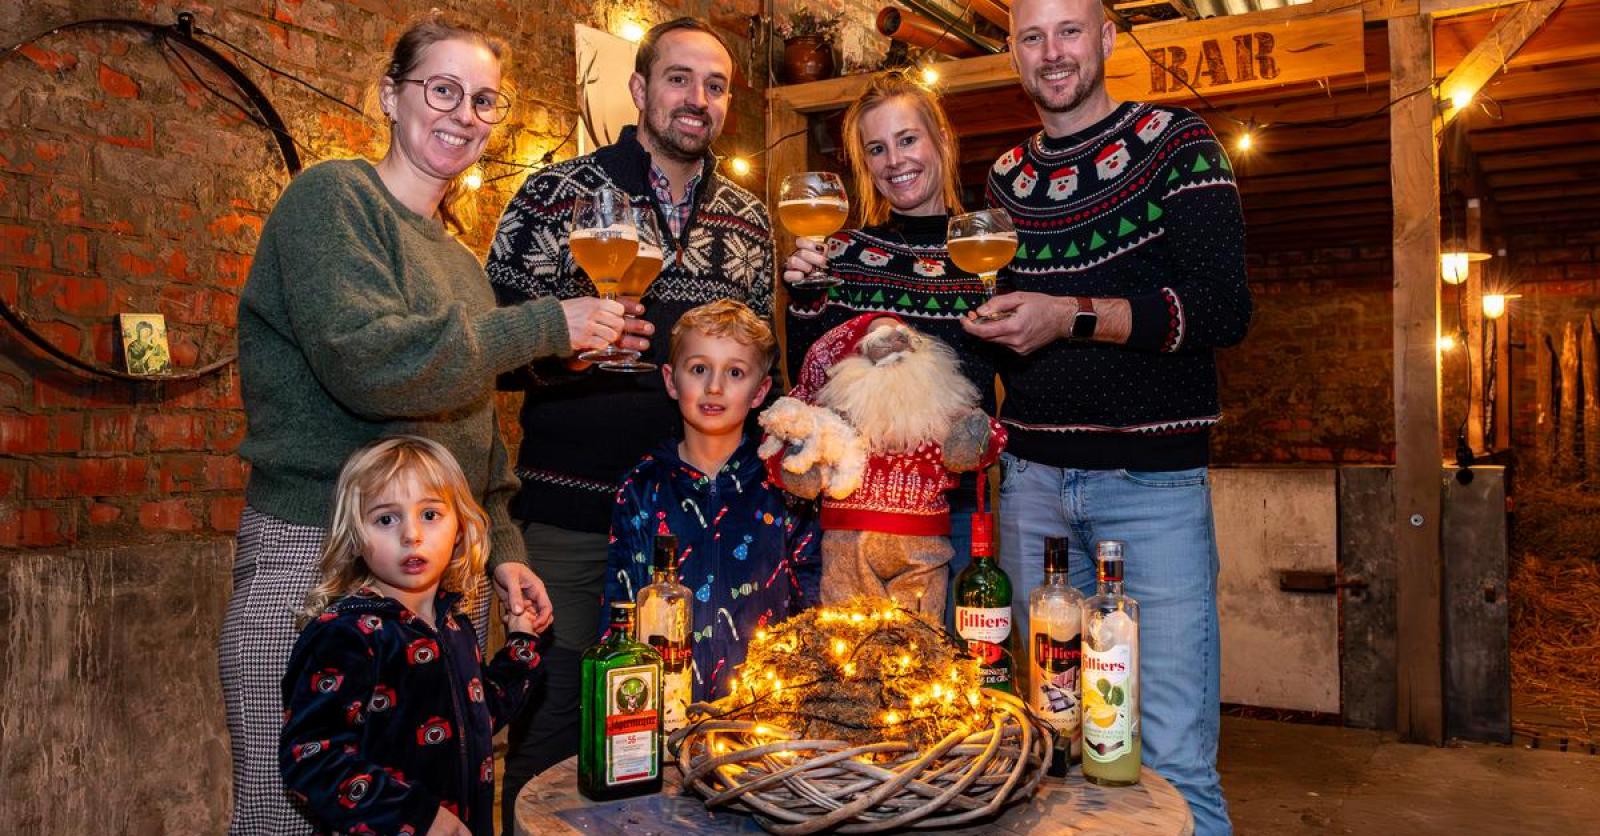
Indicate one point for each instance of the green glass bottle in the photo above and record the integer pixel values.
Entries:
(983, 609)
(619, 750)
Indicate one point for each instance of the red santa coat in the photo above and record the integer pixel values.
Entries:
(900, 493)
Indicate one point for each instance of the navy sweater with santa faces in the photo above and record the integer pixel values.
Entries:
(1141, 206)
(387, 717)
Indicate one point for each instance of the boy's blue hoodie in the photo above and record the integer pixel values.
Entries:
(747, 557)
(388, 717)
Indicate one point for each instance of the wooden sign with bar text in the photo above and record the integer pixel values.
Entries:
(1247, 55)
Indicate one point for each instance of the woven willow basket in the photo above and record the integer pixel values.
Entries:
(808, 786)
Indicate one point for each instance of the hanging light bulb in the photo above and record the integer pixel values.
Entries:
(930, 76)
(740, 166)
(1494, 305)
(473, 179)
(1244, 142)
(631, 31)
(1453, 267)
(1447, 342)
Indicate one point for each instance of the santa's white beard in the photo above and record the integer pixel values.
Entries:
(901, 402)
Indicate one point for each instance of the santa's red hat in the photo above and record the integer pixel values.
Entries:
(829, 349)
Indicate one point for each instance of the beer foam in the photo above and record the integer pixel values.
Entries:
(607, 233)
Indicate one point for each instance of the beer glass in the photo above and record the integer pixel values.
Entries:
(813, 204)
(604, 242)
(637, 278)
(982, 242)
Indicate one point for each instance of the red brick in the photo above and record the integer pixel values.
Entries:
(117, 84)
(22, 246)
(166, 515)
(10, 477)
(62, 478)
(110, 433)
(181, 474)
(101, 513)
(105, 343)
(44, 527)
(8, 286)
(55, 62)
(79, 296)
(66, 336)
(182, 431)
(231, 270)
(226, 473)
(72, 252)
(226, 431)
(24, 434)
(225, 513)
(61, 392)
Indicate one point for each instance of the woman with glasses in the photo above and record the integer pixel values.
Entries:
(903, 156)
(364, 317)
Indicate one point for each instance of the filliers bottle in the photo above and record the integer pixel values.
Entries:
(1110, 676)
(619, 752)
(665, 624)
(1055, 615)
(983, 609)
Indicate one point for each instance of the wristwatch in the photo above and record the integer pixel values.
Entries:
(1085, 320)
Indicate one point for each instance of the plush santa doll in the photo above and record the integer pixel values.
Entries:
(878, 426)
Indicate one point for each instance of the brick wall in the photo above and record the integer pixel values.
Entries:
(1312, 383)
(126, 187)
(1557, 271)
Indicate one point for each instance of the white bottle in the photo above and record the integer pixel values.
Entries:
(1110, 676)
(1055, 616)
(665, 621)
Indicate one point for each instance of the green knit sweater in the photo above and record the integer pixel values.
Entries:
(363, 319)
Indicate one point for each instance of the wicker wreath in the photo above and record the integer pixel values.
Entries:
(807, 786)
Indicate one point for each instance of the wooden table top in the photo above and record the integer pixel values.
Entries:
(551, 805)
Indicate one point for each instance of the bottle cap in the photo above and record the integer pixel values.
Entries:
(1108, 561)
(666, 552)
(1055, 555)
(983, 535)
(622, 612)
(1109, 549)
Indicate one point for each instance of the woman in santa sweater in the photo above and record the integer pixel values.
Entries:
(902, 152)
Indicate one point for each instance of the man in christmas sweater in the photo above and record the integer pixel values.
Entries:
(1129, 273)
(583, 431)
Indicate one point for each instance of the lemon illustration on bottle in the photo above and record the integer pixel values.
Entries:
(1110, 676)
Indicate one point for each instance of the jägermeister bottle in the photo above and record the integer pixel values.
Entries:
(619, 752)
(1055, 615)
(665, 622)
(983, 609)
(1110, 676)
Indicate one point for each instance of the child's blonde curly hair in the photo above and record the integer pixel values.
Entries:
(367, 473)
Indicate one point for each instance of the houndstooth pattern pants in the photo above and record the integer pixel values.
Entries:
(275, 565)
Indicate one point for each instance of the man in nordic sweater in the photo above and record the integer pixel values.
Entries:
(1129, 273)
(583, 431)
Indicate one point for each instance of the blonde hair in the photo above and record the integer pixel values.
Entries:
(366, 474)
(726, 318)
(885, 87)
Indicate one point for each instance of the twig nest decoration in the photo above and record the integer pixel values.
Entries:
(860, 718)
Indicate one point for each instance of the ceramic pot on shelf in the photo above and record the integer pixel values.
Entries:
(807, 58)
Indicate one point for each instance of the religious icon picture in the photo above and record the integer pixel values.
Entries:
(144, 344)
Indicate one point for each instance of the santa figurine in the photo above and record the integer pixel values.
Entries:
(878, 425)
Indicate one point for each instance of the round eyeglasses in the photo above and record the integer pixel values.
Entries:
(444, 94)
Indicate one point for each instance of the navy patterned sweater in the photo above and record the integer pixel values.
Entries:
(1141, 205)
(582, 432)
(748, 558)
(387, 717)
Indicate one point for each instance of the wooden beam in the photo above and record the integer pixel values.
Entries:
(1575, 155)
(1494, 52)
(1320, 180)
(1418, 500)
(1527, 137)
(1475, 322)
(1218, 55)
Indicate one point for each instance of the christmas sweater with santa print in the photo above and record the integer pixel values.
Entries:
(902, 267)
(387, 717)
(1141, 206)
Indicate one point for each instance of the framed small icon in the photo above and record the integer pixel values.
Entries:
(144, 344)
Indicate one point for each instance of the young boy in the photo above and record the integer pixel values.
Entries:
(746, 557)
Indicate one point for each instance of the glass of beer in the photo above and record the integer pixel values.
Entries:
(637, 278)
(813, 204)
(982, 242)
(604, 242)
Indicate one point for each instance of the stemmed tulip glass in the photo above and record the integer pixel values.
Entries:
(604, 242)
(982, 242)
(637, 278)
(813, 204)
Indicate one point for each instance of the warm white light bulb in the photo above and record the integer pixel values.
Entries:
(631, 31)
(930, 76)
(1460, 99)
(1244, 142)
(473, 179)
(740, 166)
(1494, 305)
(1453, 267)
(1446, 342)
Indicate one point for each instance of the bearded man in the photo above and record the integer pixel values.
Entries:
(1129, 275)
(916, 416)
(583, 431)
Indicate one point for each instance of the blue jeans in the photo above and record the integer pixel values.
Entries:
(1164, 517)
(962, 506)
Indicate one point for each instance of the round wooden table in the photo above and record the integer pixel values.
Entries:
(550, 805)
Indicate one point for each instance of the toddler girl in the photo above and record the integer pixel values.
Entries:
(388, 709)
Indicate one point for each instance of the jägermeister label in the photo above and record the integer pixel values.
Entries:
(619, 748)
(983, 609)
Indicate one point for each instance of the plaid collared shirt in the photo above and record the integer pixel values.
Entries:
(677, 213)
